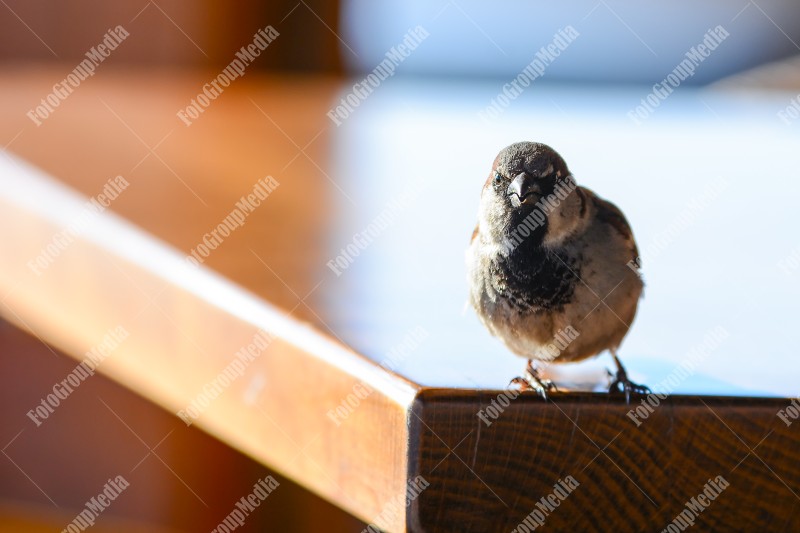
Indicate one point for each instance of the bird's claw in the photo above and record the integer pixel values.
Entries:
(532, 381)
(622, 384)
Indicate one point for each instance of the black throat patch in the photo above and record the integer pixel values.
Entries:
(532, 279)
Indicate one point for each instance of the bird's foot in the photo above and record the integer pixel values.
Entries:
(622, 384)
(533, 381)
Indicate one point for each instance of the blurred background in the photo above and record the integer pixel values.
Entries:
(620, 49)
(622, 41)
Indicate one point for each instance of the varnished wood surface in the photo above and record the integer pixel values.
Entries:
(271, 273)
(182, 337)
(181, 478)
(489, 478)
(184, 326)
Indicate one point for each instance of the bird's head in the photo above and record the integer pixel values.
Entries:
(529, 195)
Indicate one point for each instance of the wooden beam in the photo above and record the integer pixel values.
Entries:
(183, 326)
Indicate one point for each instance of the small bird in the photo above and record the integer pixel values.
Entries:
(552, 267)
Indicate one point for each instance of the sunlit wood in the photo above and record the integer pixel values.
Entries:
(184, 324)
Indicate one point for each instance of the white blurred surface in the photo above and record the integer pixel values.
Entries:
(719, 271)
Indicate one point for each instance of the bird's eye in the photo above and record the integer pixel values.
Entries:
(498, 178)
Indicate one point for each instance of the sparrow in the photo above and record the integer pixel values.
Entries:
(553, 269)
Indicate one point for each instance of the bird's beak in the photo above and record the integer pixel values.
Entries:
(523, 190)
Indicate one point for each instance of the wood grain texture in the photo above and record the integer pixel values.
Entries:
(187, 323)
(489, 478)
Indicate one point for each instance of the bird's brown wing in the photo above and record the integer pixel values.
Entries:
(610, 214)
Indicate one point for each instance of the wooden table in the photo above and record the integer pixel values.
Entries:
(385, 339)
